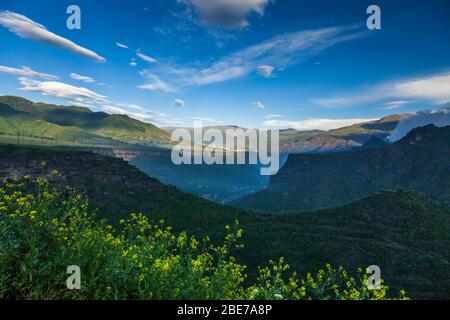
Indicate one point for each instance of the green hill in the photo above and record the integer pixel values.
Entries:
(418, 162)
(6, 111)
(22, 125)
(77, 124)
(405, 233)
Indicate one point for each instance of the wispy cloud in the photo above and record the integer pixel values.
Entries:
(178, 103)
(121, 45)
(79, 77)
(135, 107)
(154, 82)
(84, 97)
(143, 110)
(169, 122)
(391, 105)
(28, 29)
(259, 105)
(278, 52)
(63, 90)
(202, 119)
(273, 116)
(314, 124)
(141, 116)
(145, 57)
(27, 72)
(139, 113)
(432, 88)
(265, 71)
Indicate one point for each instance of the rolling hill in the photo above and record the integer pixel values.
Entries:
(22, 124)
(74, 124)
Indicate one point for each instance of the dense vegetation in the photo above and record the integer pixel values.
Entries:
(419, 162)
(403, 232)
(43, 230)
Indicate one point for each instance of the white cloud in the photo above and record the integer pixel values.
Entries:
(394, 104)
(259, 105)
(314, 124)
(226, 13)
(27, 72)
(436, 88)
(273, 116)
(146, 111)
(432, 88)
(28, 29)
(154, 82)
(169, 122)
(63, 90)
(83, 97)
(80, 104)
(143, 114)
(265, 71)
(113, 110)
(278, 52)
(178, 103)
(79, 77)
(24, 81)
(135, 107)
(202, 119)
(439, 118)
(120, 45)
(133, 63)
(145, 57)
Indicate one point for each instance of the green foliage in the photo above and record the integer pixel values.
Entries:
(43, 230)
(403, 232)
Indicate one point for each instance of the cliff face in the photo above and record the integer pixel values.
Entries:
(319, 144)
(418, 162)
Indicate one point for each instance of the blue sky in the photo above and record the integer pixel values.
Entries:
(253, 63)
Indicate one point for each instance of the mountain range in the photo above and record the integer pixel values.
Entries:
(419, 161)
(26, 122)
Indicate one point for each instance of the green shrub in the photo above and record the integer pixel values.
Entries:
(43, 230)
